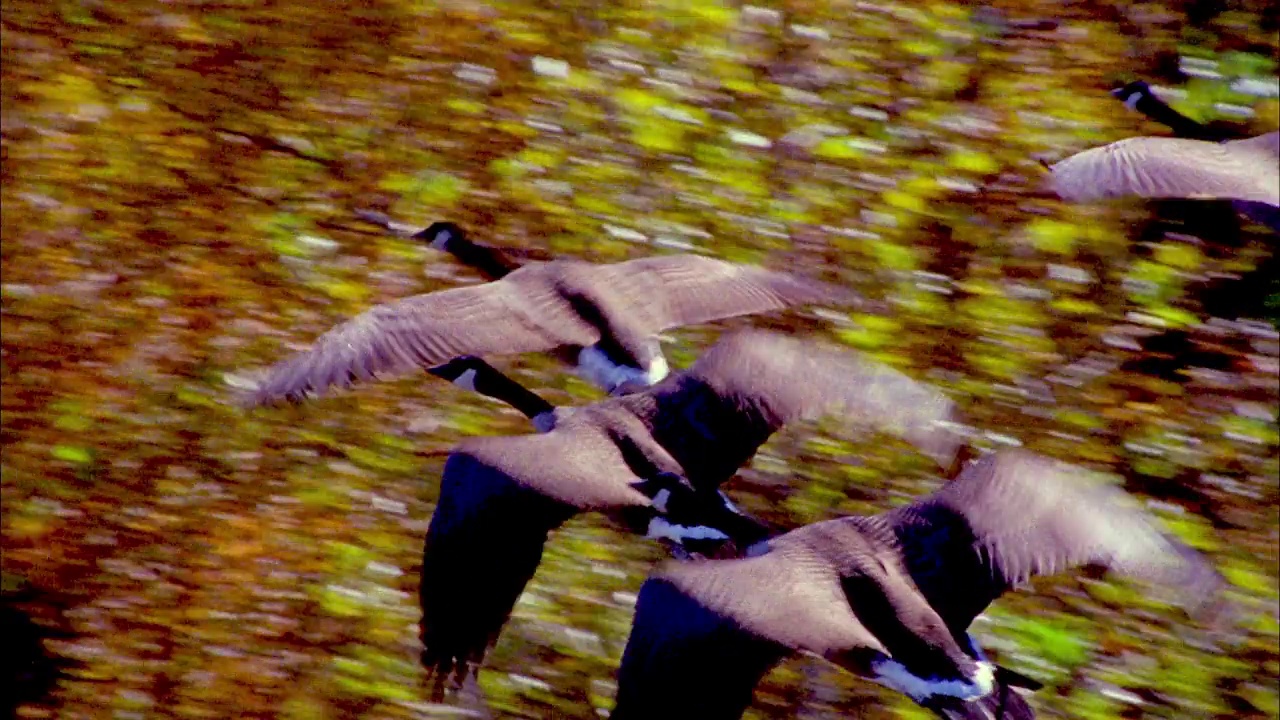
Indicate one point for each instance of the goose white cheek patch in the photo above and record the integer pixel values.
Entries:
(441, 239)
(895, 675)
(660, 500)
(660, 529)
(467, 380)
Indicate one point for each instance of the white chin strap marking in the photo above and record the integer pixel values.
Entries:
(467, 380)
(660, 500)
(441, 239)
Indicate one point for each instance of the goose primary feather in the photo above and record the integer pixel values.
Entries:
(611, 312)
(891, 596)
(501, 496)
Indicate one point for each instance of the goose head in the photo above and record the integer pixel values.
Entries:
(1131, 93)
(444, 236)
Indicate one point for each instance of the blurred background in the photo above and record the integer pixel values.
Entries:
(178, 186)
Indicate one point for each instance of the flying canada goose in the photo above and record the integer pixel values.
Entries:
(890, 597)
(686, 435)
(1159, 167)
(608, 315)
(1139, 96)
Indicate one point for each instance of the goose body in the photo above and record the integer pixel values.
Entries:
(686, 435)
(890, 597)
(606, 315)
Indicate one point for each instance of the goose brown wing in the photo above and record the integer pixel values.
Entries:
(788, 595)
(795, 379)
(1159, 167)
(691, 289)
(1011, 516)
(507, 316)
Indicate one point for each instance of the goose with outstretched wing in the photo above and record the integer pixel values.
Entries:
(608, 315)
(891, 597)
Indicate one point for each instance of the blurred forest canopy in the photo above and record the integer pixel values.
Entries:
(178, 186)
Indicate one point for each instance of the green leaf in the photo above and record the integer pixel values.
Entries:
(1053, 236)
(72, 454)
(1179, 255)
(841, 148)
(1175, 317)
(973, 161)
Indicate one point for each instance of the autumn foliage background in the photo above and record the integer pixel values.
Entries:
(178, 187)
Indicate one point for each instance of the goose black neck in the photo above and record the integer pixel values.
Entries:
(488, 261)
(489, 381)
(1153, 107)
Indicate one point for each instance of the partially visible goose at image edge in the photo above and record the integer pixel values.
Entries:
(609, 313)
(890, 597)
(501, 496)
(1141, 97)
(1162, 167)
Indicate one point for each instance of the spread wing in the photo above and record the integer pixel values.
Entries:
(691, 289)
(787, 595)
(483, 545)
(1014, 515)
(799, 378)
(1159, 167)
(425, 330)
